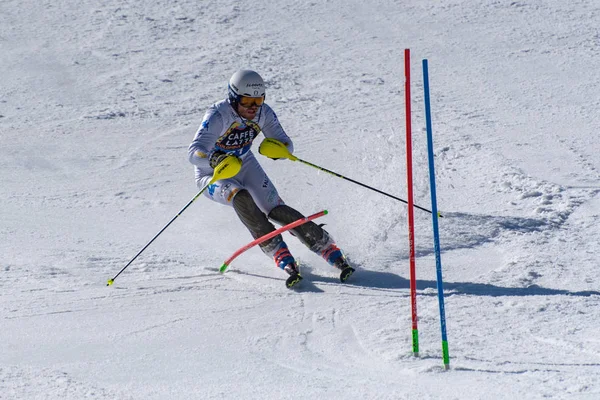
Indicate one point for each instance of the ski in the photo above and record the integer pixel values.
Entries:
(293, 281)
(346, 273)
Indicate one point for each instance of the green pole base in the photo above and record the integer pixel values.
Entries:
(445, 354)
(415, 342)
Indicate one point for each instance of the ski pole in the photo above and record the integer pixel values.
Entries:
(275, 149)
(227, 168)
(270, 235)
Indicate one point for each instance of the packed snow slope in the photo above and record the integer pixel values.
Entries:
(99, 101)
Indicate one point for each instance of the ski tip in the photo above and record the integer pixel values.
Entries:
(325, 212)
(110, 282)
(293, 281)
(223, 268)
(346, 273)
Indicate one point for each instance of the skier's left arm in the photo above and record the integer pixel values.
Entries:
(273, 129)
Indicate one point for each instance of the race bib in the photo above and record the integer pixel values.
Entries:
(238, 137)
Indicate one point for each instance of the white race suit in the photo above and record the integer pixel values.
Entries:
(251, 192)
(223, 130)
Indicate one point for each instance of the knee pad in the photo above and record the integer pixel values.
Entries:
(284, 214)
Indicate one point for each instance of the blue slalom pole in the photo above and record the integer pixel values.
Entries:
(434, 214)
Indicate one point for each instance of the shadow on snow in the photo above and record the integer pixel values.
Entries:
(385, 280)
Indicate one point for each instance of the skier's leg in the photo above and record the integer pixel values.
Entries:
(267, 199)
(312, 235)
(315, 238)
(258, 190)
(254, 219)
(231, 192)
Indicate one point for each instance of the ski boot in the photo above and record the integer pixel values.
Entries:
(284, 260)
(334, 256)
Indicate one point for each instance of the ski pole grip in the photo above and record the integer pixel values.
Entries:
(228, 168)
(273, 148)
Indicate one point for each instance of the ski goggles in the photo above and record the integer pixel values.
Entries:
(248, 102)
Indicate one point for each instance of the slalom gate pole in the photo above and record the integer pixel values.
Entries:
(275, 149)
(227, 168)
(411, 215)
(270, 235)
(436, 234)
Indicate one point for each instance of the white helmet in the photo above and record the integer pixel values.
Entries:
(245, 83)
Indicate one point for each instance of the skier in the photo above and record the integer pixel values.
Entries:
(229, 127)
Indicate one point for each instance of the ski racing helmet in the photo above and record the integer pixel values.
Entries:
(245, 83)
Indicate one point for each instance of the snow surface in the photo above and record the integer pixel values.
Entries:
(99, 101)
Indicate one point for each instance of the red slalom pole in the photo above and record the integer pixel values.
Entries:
(268, 236)
(411, 216)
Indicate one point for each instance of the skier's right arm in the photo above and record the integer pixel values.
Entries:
(201, 149)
